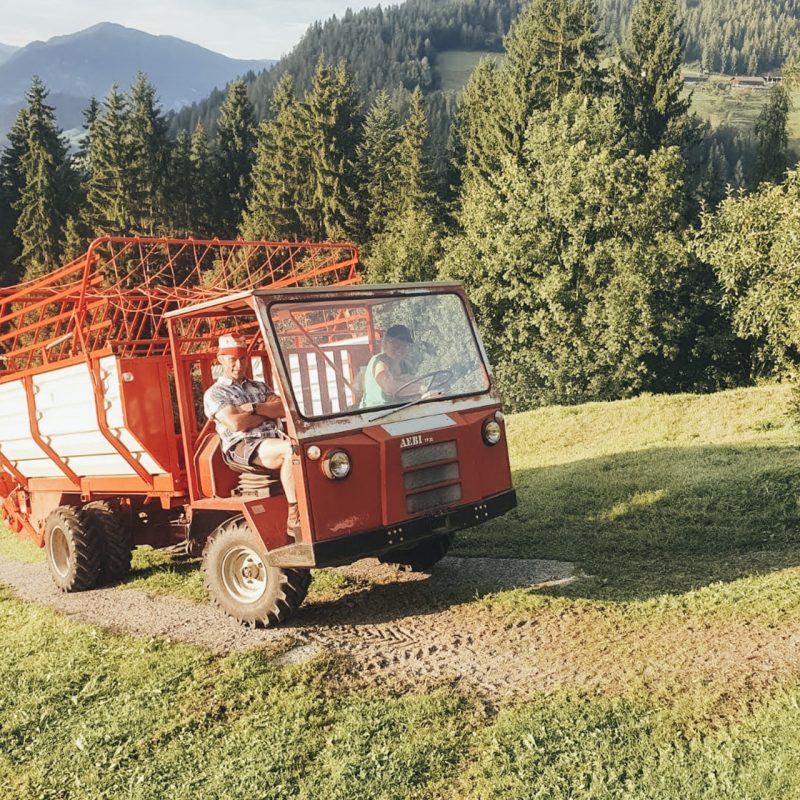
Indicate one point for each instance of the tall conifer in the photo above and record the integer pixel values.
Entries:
(48, 182)
(108, 187)
(149, 157)
(332, 118)
(772, 137)
(652, 102)
(234, 153)
(377, 164)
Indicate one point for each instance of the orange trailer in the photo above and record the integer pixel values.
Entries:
(103, 442)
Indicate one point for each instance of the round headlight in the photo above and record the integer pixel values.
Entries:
(314, 452)
(492, 431)
(336, 465)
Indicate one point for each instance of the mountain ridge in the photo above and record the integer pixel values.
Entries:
(85, 64)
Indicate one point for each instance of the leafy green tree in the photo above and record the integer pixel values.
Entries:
(48, 183)
(772, 137)
(182, 187)
(149, 156)
(575, 261)
(108, 207)
(377, 160)
(333, 125)
(652, 102)
(233, 158)
(751, 241)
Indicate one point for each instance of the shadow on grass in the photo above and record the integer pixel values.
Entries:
(656, 521)
(641, 524)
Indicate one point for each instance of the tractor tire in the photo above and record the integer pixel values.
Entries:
(114, 537)
(242, 584)
(420, 557)
(73, 550)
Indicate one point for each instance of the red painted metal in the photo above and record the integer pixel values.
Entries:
(112, 302)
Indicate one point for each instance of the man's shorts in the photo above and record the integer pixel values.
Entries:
(241, 454)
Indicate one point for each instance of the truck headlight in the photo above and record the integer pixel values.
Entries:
(336, 465)
(492, 432)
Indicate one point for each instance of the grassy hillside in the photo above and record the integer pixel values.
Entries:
(682, 513)
(712, 100)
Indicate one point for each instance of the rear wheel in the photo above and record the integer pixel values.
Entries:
(114, 537)
(239, 580)
(73, 551)
(422, 556)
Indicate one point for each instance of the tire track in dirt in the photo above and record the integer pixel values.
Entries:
(407, 630)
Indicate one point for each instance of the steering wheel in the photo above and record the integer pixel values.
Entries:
(434, 382)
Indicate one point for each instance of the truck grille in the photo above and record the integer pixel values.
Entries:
(431, 476)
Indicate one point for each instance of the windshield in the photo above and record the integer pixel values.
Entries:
(350, 356)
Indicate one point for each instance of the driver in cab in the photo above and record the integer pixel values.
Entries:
(389, 376)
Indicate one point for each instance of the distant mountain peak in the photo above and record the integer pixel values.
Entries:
(78, 66)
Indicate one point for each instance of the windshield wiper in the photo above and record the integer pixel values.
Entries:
(426, 396)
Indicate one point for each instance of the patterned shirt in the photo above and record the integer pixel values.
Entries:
(227, 393)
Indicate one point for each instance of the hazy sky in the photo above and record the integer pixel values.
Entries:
(237, 28)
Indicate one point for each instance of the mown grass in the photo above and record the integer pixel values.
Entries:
(87, 715)
(654, 496)
(683, 510)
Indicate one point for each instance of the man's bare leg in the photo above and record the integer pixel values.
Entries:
(277, 454)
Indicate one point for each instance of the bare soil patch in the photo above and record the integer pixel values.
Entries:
(407, 629)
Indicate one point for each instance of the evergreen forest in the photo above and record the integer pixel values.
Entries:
(612, 242)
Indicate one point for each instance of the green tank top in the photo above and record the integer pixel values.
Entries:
(373, 393)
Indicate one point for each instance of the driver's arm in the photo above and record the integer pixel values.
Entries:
(238, 418)
(390, 384)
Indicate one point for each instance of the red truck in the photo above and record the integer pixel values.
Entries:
(104, 444)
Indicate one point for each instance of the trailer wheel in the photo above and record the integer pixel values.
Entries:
(114, 538)
(73, 552)
(422, 556)
(239, 580)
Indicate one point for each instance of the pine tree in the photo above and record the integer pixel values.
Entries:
(651, 98)
(410, 246)
(414, 173)
(552, 49)
(280, 186)
(149, 155)
(108, 187)
(377, 158)
(233, 159)
(202, 177)
(11, 184)
(332, 120)
(772, 137)
(44, 201)
(182, 187)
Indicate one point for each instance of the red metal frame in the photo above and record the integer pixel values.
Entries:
(112, 301)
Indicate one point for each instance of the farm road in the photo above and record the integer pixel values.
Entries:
(407, 629)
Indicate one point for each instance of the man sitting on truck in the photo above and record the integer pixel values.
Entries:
(245, 413)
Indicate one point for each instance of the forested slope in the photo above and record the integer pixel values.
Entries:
(398, 46)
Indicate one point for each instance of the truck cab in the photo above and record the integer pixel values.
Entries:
(392, 475)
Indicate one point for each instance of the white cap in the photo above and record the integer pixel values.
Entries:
(231, 346)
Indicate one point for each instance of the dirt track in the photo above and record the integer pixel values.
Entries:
(407, 629)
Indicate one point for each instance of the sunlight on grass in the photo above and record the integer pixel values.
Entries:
(24, 550)
(627, 506)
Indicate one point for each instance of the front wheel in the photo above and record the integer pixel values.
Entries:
(239, 580)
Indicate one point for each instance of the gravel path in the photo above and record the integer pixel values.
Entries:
(406, 629)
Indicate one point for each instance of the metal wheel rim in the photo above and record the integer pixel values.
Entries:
(244, 574)
(58, 546)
